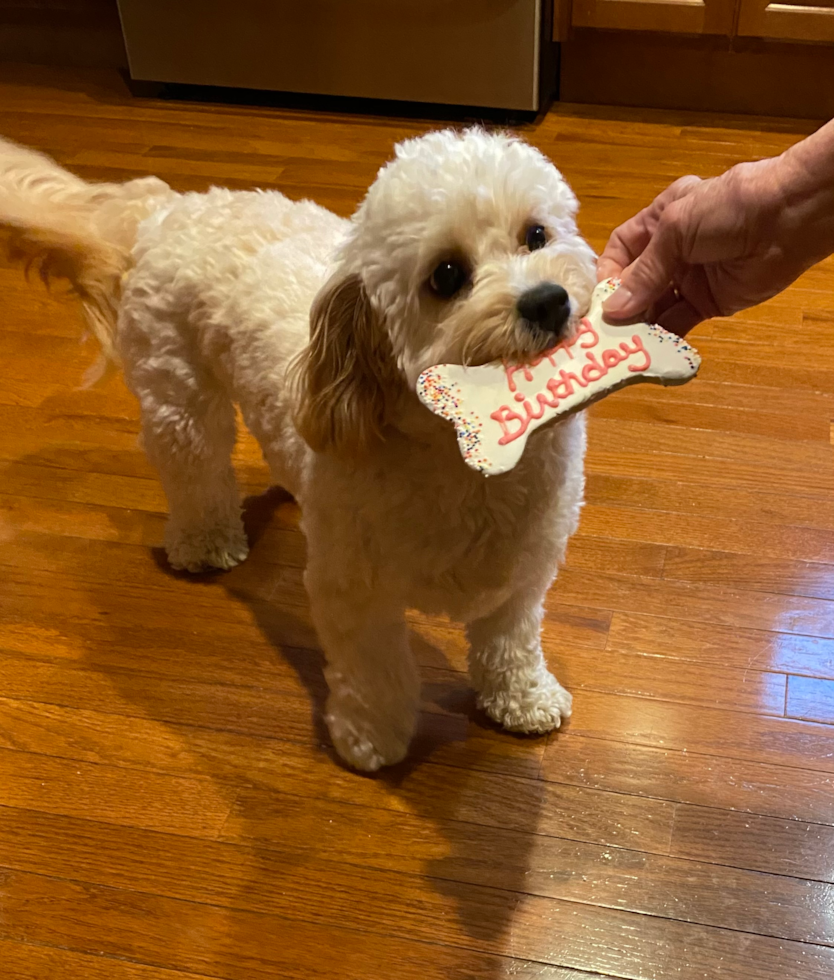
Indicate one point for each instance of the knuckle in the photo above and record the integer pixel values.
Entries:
(684, 185)
(690, 180)
(673, 217)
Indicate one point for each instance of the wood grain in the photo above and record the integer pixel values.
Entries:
(752, 571)
(170, 805)
(680, 775)
(217, 873)
(25, 961)
(811, 698)
(722, 646)
(788, 847)
(673, 71)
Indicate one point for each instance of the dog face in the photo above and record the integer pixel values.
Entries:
(464, 251)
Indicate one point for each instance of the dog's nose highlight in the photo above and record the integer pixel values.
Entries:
(546, 306)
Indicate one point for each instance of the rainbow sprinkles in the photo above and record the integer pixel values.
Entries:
(495, 407)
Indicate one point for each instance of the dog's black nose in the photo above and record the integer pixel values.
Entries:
(545, 307)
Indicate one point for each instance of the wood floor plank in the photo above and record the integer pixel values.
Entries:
(231, 708)
(270, 614)
(739, 537)
(258, 816)
(811, 698)
(708, 731)
(280, 881)
(749, 571)
(739, 397)
(751, 328)
(608, 434)
(451, 730)
(772, 425)
(722, 646)
(599, 590)
(669, 679)
(182, 804)
(638, 557)
(684, 776)
(724, 364)
(479, 798)
(36, 520)
(790, 358)
(698, 603)
(230, 943)
(40, 481)
(787, 847)
(213, 677)
(68, 518)
(760, 505)
(26, 961)
(706, 471)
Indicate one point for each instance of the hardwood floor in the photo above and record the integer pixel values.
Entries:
(170, 806)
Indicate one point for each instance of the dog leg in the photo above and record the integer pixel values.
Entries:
(508, 671)
(374, 685)
(189, 437)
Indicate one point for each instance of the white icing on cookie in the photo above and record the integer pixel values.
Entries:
(495, 407)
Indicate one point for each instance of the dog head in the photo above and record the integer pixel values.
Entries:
(465, 250)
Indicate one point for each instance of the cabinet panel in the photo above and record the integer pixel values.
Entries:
(787, 21)
(670, 16)
(443, 51)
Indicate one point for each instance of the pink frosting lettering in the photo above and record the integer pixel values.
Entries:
(587, 328)
(593, 370)
(504, 416)
(637, 349)
(611, 357)
(565, 383)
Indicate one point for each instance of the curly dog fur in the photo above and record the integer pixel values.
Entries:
(318, 327)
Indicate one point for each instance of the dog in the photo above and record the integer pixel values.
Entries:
(465, 250)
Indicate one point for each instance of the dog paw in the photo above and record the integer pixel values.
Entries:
(535, 709)
(363, 748)
(203, 550)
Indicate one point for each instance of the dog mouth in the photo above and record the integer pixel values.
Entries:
(534, 341)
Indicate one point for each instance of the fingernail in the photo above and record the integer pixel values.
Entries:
(620, 304)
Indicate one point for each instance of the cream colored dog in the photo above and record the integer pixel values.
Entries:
(464, 250)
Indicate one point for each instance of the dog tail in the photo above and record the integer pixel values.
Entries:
(69, 229)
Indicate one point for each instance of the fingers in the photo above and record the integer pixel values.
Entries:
(648, 277)
(624, 245)
(680, 318)
(608, 268)
(662, 259)
(631, 239)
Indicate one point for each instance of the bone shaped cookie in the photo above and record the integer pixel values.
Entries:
(496, 407)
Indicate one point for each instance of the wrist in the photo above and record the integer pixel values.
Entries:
(800, 189)
(807, 167)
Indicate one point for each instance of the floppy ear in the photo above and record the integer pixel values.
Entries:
(346, 376)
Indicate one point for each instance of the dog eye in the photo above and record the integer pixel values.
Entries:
(535, 238)
(448, 278)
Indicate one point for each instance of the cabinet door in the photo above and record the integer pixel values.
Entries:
(787, 21)
(676, 16)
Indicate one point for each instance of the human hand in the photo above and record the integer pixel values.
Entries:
(707, 248)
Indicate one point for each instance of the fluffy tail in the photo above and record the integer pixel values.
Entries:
(66, 228)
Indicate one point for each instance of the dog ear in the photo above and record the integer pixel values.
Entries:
(346, 376)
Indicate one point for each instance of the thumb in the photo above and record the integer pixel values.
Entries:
(649, 275)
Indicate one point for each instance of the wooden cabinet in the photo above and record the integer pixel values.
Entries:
(792, 21)
(705, 55)
(668, 16)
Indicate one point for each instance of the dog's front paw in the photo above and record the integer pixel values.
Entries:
(202, 549)
(535, 708)
(365, 746)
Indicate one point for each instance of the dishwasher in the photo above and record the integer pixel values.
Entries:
(485, 53)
